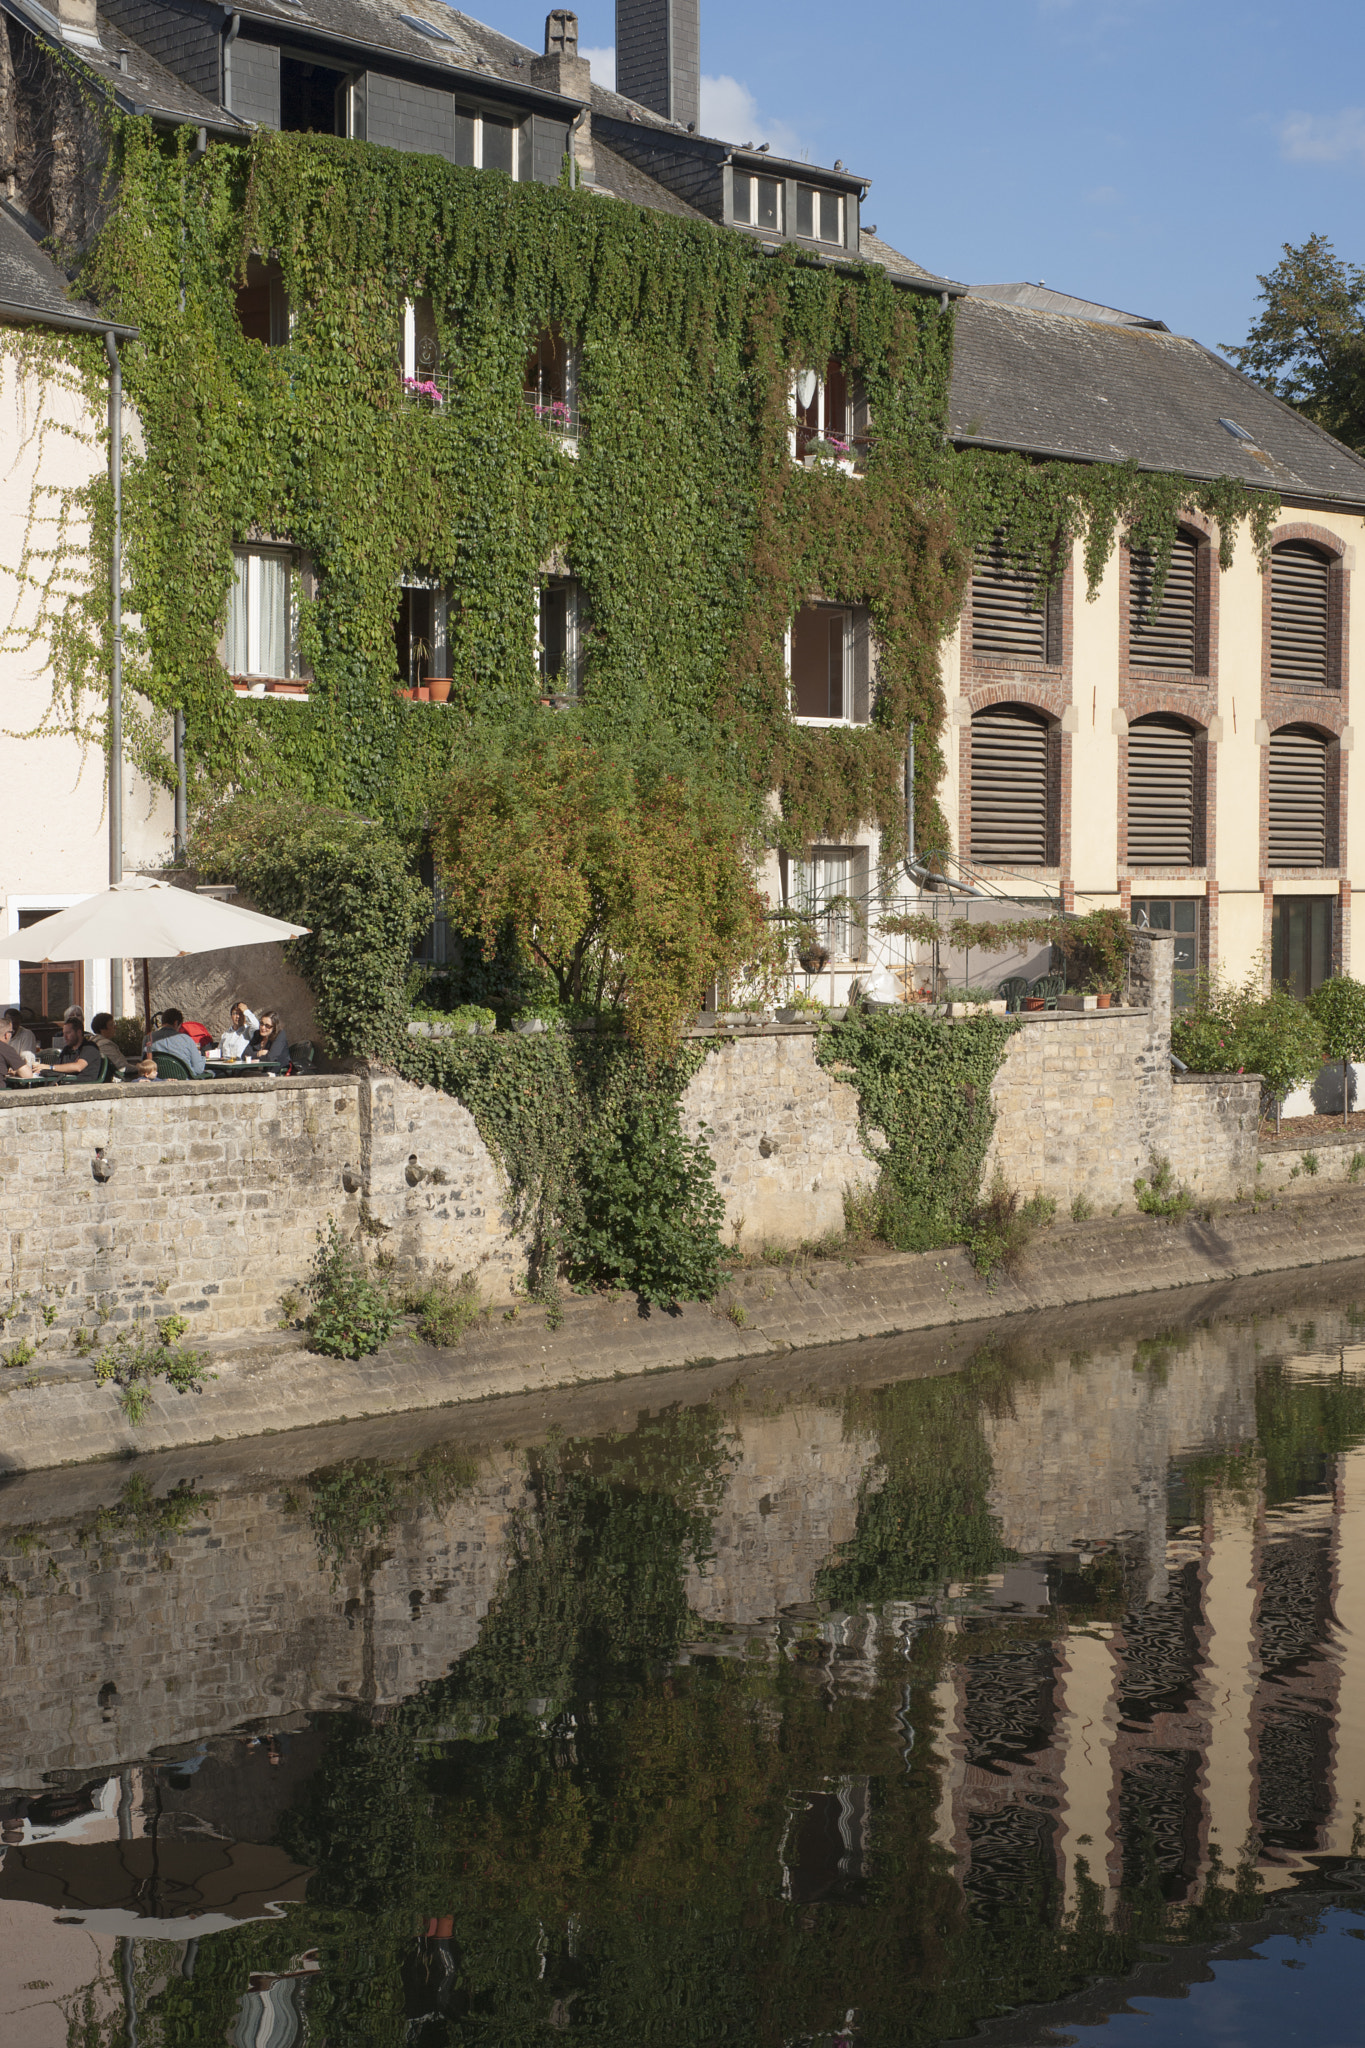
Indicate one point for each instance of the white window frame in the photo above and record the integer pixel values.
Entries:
(819, 194)
(572, 681)
(808, 887)
(478, 115)
(252, 557)
(746, 220)
(855, 619)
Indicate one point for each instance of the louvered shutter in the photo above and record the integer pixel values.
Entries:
(1298, 617)
(1298, 798)
(1004, 626)
(1160, 793)
(1009, 788)
(1169, 640)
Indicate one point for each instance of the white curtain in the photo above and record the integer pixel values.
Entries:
(274, 603)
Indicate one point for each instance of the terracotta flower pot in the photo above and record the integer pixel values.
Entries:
(1034, 1003)
(1102, 999)
(422, 694)
(439, 686)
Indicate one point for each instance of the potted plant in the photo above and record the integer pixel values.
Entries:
(440, 688)
(1101, 989)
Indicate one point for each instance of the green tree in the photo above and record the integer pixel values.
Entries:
(1308, 347)
(1338, 1008)
(626, 883)
(1238, 1029)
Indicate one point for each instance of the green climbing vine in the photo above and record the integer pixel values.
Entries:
(691, 532)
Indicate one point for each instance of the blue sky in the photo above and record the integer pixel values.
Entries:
(1152, 154)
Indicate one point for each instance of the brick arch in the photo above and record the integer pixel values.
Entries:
(1051, 702)
(1341, 561)
(1205, 675)
(1168, 701)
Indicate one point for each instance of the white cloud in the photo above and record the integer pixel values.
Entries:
(603, 64)
(1324, 138)
(729, 110)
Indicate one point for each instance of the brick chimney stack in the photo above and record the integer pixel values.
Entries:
(562, 70)
(658, 57)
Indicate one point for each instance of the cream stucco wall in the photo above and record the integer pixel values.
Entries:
(54, 835)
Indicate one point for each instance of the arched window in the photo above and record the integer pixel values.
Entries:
(1162, 825)
(1300, 651)
(1011, 813)
(1171, 639)
(1298, 798)
(1012, 620)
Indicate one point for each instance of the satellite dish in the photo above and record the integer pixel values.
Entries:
(805, 388)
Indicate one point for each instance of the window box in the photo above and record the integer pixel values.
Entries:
(277, 686)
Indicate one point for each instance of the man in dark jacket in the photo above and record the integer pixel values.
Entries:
(82, 1058)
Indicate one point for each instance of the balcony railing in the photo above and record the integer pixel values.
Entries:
(554, 414)
(435, 391)
(848, 452)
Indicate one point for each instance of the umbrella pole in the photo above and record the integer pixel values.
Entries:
(147, 993)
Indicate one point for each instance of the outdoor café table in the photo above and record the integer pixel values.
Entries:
(221, 1068)
(30, 1080)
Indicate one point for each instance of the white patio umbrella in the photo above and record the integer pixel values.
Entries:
(142, 918)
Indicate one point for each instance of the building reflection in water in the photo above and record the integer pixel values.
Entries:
(1100, 1618)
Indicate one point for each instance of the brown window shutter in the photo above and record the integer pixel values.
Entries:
(1160, 793)
(1005, 624)
(1009, 788)
(1298, 798)
(1169, 640)
(1298, 617)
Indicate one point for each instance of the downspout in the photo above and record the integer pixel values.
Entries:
(115, 645)
(234, 29)
(182, 808)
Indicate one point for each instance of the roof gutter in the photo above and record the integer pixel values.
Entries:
(75, 323)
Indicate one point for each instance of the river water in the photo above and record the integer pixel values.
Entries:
(1006, 1682)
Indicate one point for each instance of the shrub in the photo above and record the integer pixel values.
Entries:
(1157, 1192)
(1082, 1209)
(1001, 1228)
(1236, 1029)
(448, 1309)
(651, 1212)
(1338, 1008)
(136, 1359)
(352, 1314)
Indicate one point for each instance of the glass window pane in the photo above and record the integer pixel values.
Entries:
(1185, 916)
(1159, 916)
(837, 638)
(464, 136)
(274, 658)
(831, 225)
(744, 186)
(237, 655)
(811, 663)
(805, 210)
(498, 145)
(769, 212)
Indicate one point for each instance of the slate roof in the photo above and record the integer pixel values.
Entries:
(33, 290)
(1041, 298)
(1091, 390)
(140, 85)
(613, 175)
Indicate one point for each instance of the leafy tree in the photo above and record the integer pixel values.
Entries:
(1308, 347)
(1338, 1008)
(351, 882)
(625, 882)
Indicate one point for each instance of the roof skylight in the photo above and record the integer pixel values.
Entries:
(1237, 433)
(426, 28)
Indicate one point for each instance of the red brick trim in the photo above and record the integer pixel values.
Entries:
(1206, 590)
(1338, 626)
(1052, 698)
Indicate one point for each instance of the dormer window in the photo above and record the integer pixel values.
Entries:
(550, 384)
(758, 201)
(485, 141)
(819, 215)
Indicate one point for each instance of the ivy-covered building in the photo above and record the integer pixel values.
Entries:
(464, 393)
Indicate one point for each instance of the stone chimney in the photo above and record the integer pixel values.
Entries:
(658, 57)
(562, 70)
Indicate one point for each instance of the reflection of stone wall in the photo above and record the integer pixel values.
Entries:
(791, 1497)
(241, 1624)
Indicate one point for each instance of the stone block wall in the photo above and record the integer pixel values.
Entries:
(432, 1185)
(1215, 1127)
(783, 1132)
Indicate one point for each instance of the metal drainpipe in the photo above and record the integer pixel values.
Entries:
(234, 28)
(115, 646)
(182, 809)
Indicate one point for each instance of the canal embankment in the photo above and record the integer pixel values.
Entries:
(55, 1413)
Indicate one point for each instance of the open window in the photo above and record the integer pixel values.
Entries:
(550, 383)
(831, 417)
(262, 307)
(831, 665)
(313, 97)
(421, 352)
(829, 893)
(259, 644)
(561, 616)
(422, 631)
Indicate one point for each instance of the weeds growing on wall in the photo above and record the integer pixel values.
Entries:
(924, 1083)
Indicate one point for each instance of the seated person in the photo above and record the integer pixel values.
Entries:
(243, 1028)
(14, 1059)
(103, 1026)
(81, 1058)
(171, 1036)
(21, 1038)
(270, 1045)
